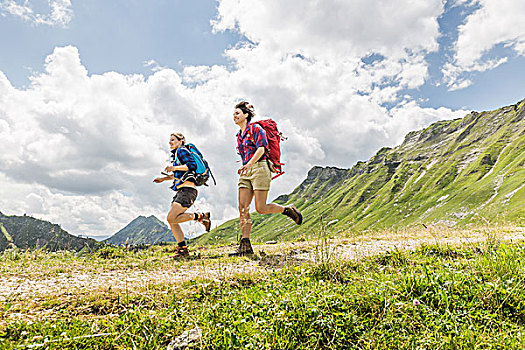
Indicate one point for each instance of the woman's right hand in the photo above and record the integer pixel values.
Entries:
(158, 179)
(244, 169)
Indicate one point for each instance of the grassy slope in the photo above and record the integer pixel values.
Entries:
(444, 297)
(462, 171)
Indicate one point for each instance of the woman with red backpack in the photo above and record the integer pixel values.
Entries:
(255, 175)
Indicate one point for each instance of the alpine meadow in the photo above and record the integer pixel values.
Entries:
(419, 247)
(248, 174)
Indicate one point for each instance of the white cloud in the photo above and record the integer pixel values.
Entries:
(90, 145)
(457, 3)
(496, 22)
(334, 27)
(410, 116)
(60, 12)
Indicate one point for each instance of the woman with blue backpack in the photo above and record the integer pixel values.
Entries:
(255, 174)
(185, 178)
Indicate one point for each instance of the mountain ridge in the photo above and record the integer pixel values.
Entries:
(454, 172)
(26, 232)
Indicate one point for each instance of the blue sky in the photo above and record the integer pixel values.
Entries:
(117, 36)
(91, 90)
(122, 35)
(490, 89)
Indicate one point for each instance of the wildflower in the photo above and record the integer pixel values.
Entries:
(416, 302)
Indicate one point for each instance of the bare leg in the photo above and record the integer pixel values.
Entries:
(177, 232)
(271, 208)
(266, 208)
(245, 198)
(176, 215)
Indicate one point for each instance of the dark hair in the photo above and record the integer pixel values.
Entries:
(246, 107)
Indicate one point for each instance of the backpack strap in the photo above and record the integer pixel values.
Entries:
(250, 136)
(277, 175)
(213, 177)
(250, 132)
(177, 154)
(176, 157)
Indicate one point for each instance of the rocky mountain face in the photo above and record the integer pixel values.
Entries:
(26, 232)
(455, 172)
(142, 230)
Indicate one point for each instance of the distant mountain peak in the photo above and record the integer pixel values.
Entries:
(142, 230)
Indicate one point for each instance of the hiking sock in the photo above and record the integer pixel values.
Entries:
(182, 244)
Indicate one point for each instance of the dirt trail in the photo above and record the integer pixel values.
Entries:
(21, 286)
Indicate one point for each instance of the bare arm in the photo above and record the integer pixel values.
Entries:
(171, 168)
(162, 179)
(256, 156)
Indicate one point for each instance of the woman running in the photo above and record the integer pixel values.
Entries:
(183, 169)
(255, 176)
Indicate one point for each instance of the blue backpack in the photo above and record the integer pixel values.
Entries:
(203, 171)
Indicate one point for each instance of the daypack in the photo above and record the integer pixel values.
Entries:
(203, 171)
(274, 148)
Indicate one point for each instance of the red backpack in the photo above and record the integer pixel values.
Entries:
(274, 149)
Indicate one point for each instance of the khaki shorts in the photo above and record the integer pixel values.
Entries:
(257, 178)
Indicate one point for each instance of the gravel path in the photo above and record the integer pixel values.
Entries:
(20, 286)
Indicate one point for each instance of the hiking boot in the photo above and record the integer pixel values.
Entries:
(204, 218)
(182, 253)
(245, 248)
(294, 214)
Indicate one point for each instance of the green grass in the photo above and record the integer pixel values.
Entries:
(469, 297)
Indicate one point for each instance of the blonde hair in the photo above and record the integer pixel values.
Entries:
(179, 137)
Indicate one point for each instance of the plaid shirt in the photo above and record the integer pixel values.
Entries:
(247, 146)
(181, 156)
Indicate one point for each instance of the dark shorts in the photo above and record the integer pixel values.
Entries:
(185, 196)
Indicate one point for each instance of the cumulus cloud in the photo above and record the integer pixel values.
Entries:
(60, 12)
(334, 27)
(87, 139)
(83, 149)
(496, 22)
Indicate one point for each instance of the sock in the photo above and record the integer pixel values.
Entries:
(245, 240)
(182, 244)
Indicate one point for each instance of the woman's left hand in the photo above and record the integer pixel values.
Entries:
(169, 169)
